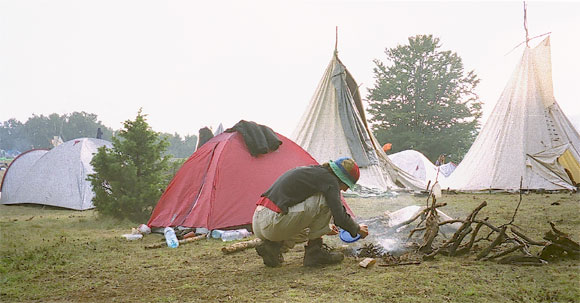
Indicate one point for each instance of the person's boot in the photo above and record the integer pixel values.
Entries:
(270, 253)
(317, 253)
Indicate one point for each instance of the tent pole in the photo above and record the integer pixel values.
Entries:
(526, 23)
(336, 41)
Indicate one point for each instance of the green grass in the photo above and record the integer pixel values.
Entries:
(55, 255)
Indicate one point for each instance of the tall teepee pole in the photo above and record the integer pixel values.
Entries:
(526, 28)
(336, 41)
(526, 23)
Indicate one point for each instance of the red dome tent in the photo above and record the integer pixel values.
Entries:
(218, 186)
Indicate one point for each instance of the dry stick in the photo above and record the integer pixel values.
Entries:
(459, 239)
(528, 240)
(431, 232)
(241, 246)
(559, 233)
(469, 244)
(401, 263)
(525, 247)
(522, 260)
(426, 212)
(493, 228)
(467, 222)
(440, 223)
(500, 238)
(563, 241)
(395, 227)
(509, 251)
(520, 201)
(184, 241)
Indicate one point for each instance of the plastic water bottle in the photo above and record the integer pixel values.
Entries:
(170, 237)
(201, 230)
(217, 233)
(245, 233)
(230, 235)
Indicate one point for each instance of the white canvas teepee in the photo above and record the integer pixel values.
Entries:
(56, 177)
(334, 125)
(527, 136)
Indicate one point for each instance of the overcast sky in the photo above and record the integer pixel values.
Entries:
(191, 64)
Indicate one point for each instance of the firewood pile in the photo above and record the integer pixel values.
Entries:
(504, 243)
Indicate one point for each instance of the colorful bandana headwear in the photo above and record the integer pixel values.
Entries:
(346, 170)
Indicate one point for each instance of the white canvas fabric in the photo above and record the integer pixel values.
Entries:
(56, 178)
(17, 171)
(525, 124)
(334, 126)
(416, 164)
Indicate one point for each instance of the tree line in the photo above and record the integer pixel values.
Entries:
(39, 131)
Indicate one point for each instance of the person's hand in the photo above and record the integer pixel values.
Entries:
(334, 230)
(363, 230)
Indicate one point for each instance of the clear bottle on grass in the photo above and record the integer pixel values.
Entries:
(231, 235)
(170, 237)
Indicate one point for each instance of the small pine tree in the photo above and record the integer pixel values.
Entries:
(129, 178)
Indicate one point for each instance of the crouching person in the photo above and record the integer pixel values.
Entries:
(299, 207)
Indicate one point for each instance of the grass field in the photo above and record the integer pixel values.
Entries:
(55, 255)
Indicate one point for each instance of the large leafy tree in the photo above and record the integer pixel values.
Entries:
(423, 99)
(130, 176)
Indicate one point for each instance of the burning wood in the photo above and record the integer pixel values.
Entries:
(371, 250)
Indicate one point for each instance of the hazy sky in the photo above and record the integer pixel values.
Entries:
(190, 64)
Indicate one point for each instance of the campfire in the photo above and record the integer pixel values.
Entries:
(395, 241)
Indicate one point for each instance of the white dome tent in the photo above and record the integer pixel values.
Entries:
(57, 177)
(416, 164)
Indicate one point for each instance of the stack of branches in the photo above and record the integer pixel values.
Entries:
(503, 242)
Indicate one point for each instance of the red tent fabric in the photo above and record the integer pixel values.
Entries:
(218, 186)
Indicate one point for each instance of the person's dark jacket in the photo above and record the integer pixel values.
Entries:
(259, 139)
(298, 184)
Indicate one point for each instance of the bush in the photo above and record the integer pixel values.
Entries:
(129, 178)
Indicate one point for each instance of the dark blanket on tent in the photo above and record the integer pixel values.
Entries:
(259, 139)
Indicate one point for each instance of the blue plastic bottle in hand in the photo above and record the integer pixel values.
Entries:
(170, 237)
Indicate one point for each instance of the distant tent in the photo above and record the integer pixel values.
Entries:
(334, 125)
(218, 186)
(416, 164)
(447, 168)
(16, 172)
(527, 136)
(219, 130)
(56, 177)
(56, 141)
